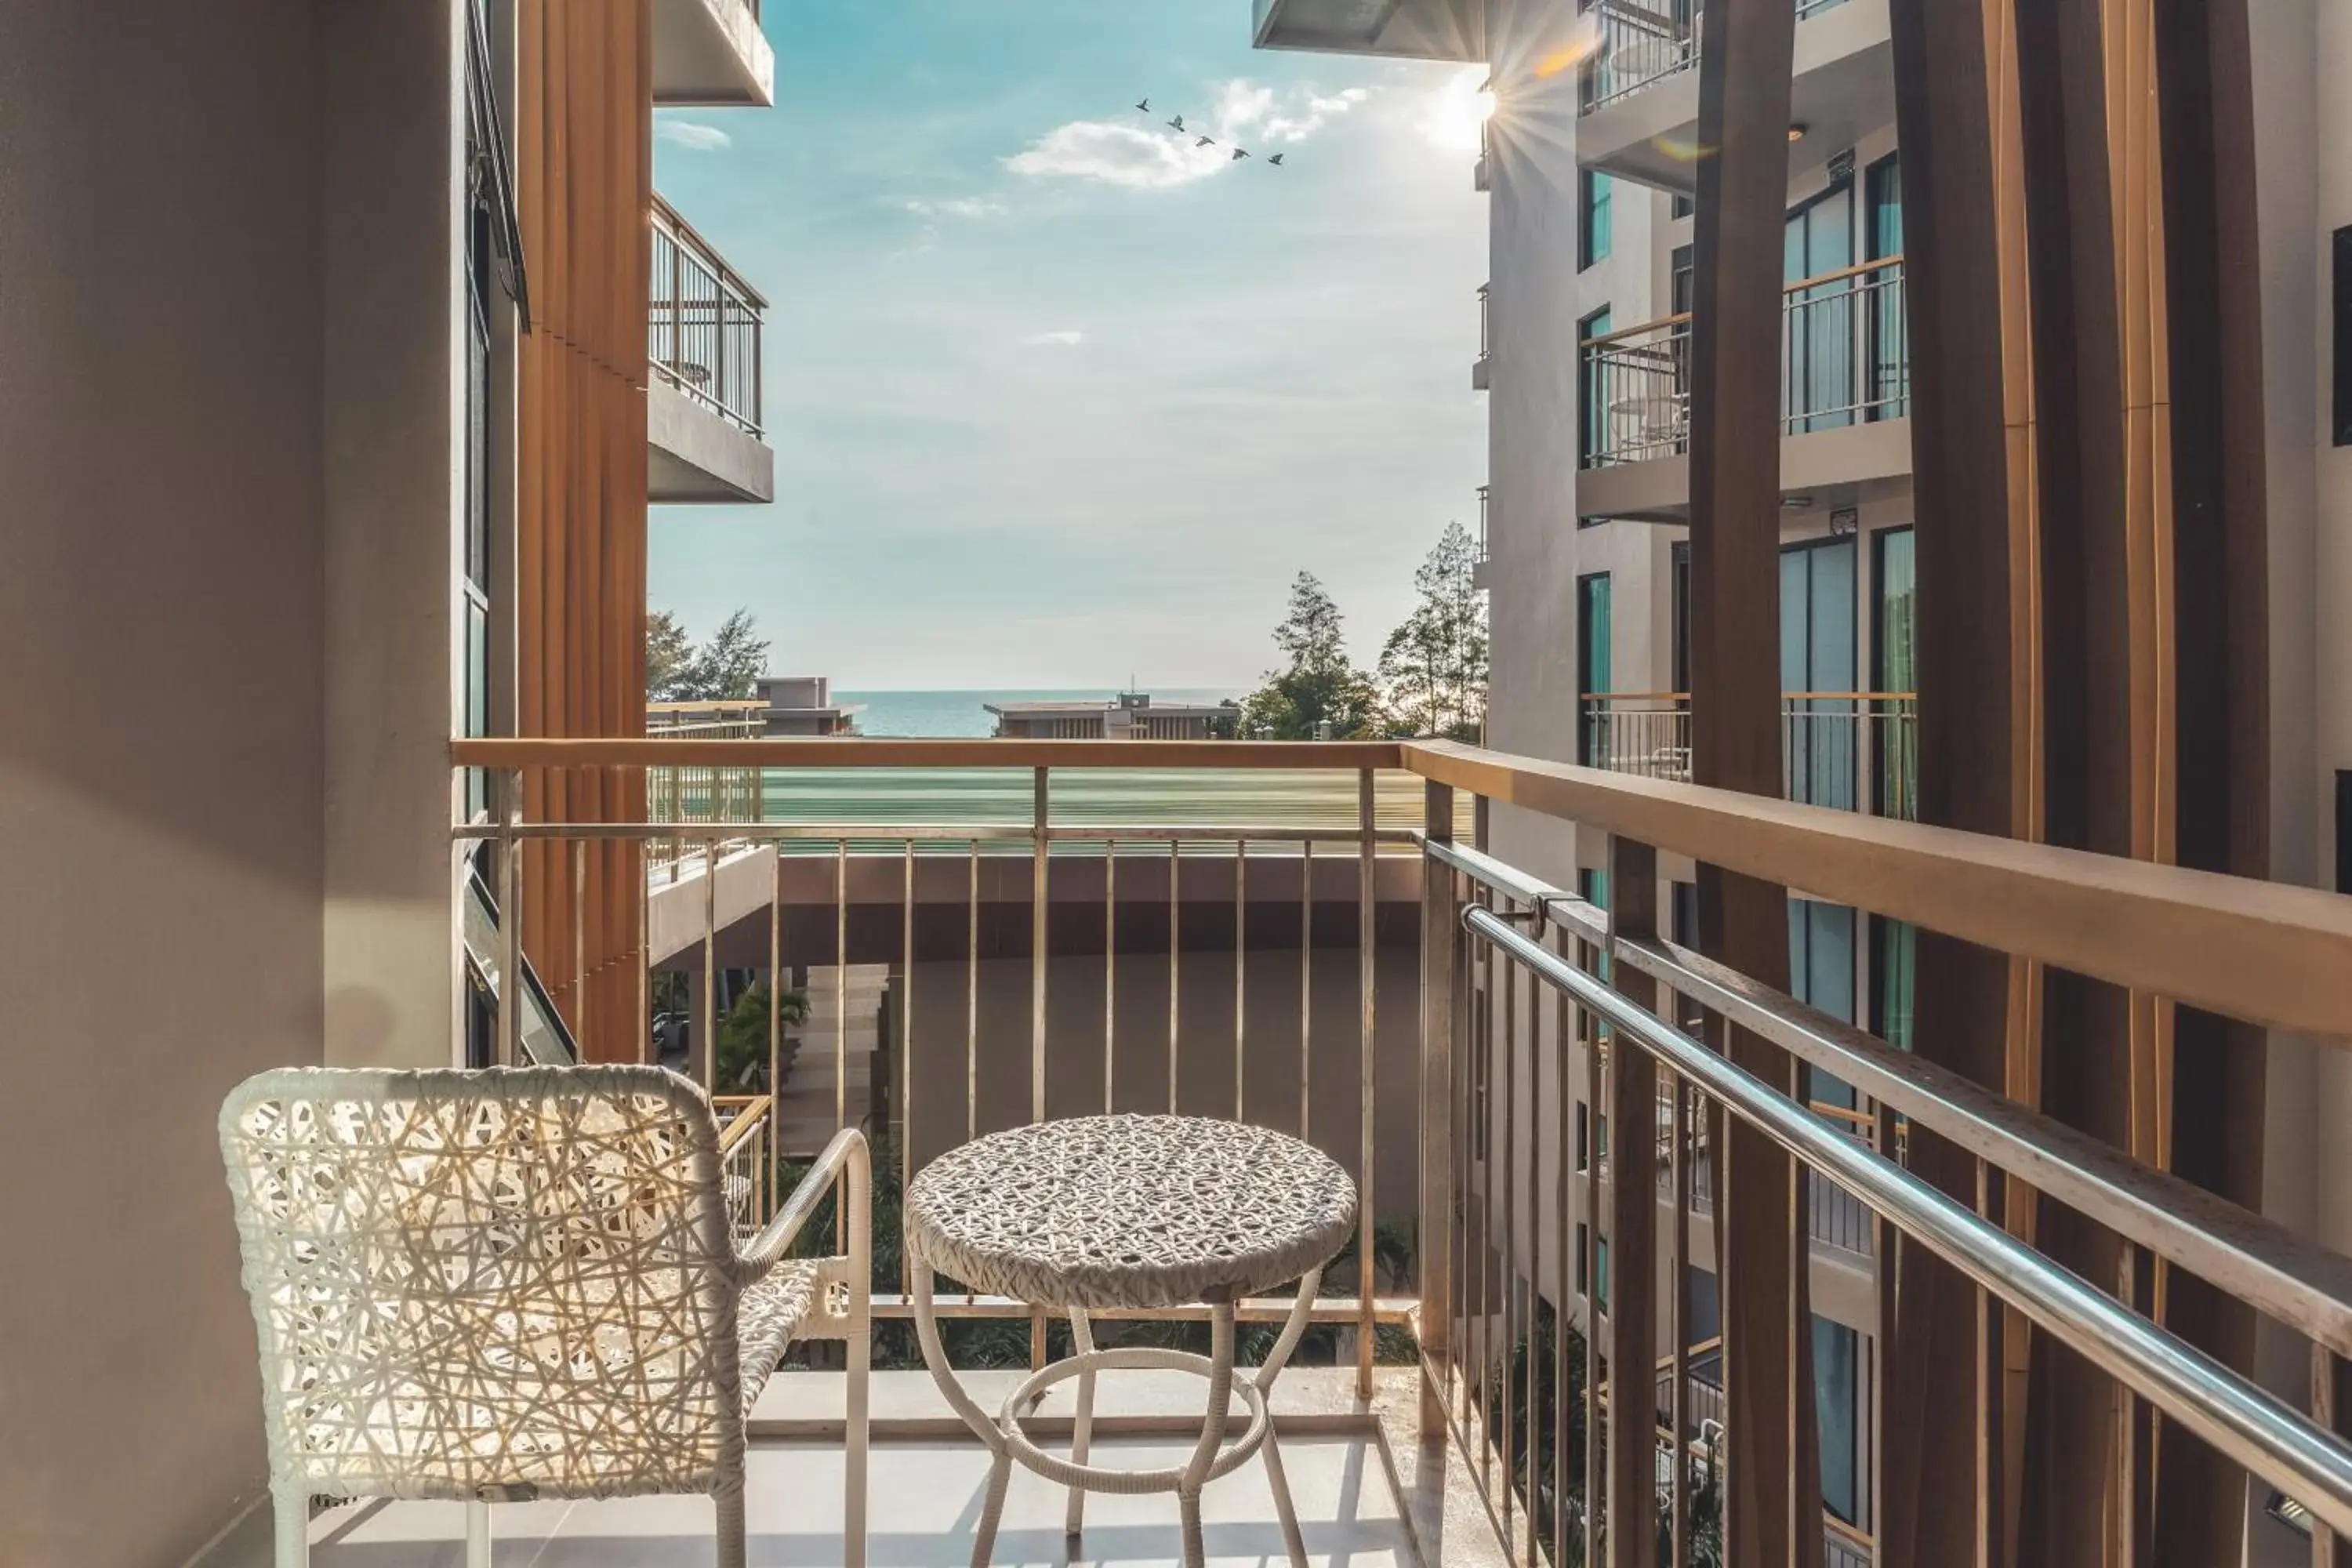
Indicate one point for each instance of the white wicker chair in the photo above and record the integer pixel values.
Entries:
(523, 1282)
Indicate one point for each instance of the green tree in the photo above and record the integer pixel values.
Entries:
(729, 666)
(668, 653)
(1434, 665)
(743, 1038)
(1320, 688)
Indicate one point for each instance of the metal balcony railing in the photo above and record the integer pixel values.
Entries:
(1485, 548)
(1635, 44)
(1840, 749)
(1041, 952)
(1845, 359)
(704, 331)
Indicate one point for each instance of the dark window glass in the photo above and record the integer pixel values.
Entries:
(1893, 979)
(1592, 636)
(1680, 590)
(1594, 222)
(1591, 407)
(1894, 670)
(2344, 337)
(1818, 655)
(1683, 206)
(1837, 1392)
(1888, 396)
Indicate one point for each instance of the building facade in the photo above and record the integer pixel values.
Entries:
(2129, 645)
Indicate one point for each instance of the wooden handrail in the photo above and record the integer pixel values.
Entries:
(855, 752)
(2269, 952)
(707, 705)
(1597, 697)
(1682, 318)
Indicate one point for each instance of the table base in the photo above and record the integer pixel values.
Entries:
(1212, 1456)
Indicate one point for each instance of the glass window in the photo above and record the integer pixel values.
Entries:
(1818, 391)
(1591, 407)
(1818, 608)
(1894, 670)
(1889, 393)
(1837, 1389)
(1592, 641)
(1594, 222)
(1893, 979)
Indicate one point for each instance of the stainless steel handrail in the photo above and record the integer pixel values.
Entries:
(2242, 1422)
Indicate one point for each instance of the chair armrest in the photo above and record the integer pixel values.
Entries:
(847, 1155)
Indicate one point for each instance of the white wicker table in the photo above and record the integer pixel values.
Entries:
(1136, 1213)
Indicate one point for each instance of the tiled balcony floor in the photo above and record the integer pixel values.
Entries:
(1356, 1481)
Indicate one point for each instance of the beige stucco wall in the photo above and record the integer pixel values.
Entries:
(160, 634)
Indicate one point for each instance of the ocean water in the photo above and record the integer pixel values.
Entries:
(946, 714)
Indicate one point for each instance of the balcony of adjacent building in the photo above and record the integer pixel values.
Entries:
(712, 54)
(1851, 750)
(1398, 29)
(1480, 367)
(1845, 399)
(1638, 105)
(703, 389)
(1319, 939)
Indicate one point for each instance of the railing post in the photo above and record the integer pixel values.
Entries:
(509, 1048)
(1367, 973)
(1434, 1246)
(1633, 1224)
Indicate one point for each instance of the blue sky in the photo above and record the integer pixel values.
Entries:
(1051, 402)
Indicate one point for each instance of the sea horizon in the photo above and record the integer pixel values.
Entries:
(934, 713)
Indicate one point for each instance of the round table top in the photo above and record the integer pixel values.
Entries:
(1096, 1212)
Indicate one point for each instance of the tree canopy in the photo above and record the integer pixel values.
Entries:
(1319, 687)
(729, 666)
(1434, 665)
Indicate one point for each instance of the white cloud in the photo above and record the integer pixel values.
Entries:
(959, 207)
(1067, 338)
(694, 134)
(1149, 157)
(1113, 154)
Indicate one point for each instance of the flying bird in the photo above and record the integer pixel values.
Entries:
(1240, 153)
(1178, 122)
(1206, 141)
(1277, 159)
(1144, 107)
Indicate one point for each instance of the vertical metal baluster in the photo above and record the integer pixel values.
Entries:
(1175, 946)
(2323, 1415)
(1482, 1133)
(1241, 964)
(1110, 971)
(579, 942)
(1563, 1246)
(972, 1009)
(706, 1043)
(1530, 1503)
(1037, 896)
(509, 1048)
(840, 994)
(1306, 990)
(1500, 1175)
(1678, 1295)
(1597, 1069)
(1988, 1368)
(775, 993)
(1367, 1281)
(644, 895)
(1465, 1014)
(1436, 1195)
(907, 1056)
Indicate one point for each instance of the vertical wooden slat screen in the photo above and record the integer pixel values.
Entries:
(2214, 1108)
(585, 169)
(1943, 1477)
(1746, 55)
(2086, 556)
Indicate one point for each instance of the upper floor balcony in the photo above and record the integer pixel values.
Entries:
(1845, 396)
(703, 393)
(1405, 29)
(1851, 751)
(1639, 108)
(713, 53)
(1319, 939)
